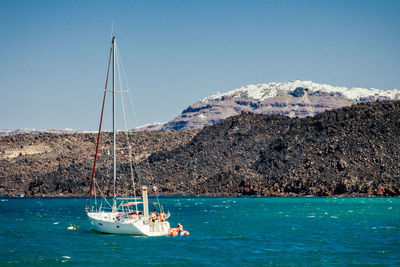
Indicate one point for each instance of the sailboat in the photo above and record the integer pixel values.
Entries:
(127, 214)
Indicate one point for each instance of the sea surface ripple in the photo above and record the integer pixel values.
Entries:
(223, 232)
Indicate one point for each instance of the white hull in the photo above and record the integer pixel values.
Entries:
(107, 222)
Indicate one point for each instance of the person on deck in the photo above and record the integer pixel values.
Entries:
(162, 217)
(154, 218)
(180, 228)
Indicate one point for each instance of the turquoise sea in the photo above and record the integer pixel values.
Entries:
(223, 232)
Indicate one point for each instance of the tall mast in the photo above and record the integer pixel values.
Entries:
(114, 208)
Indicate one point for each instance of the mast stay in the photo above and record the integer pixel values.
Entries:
(99, 133)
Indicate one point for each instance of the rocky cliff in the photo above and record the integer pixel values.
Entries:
(351, 151)
(49, 164)
(293, 99)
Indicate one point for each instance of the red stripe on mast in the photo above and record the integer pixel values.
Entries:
(99, 134)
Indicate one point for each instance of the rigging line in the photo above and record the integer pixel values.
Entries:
(137, 167)
(132, 156)
(125, 83)
(153, 183)
(134, 161)
(101, 121)
(155, 189)
(138, 172)
(149, 169)
(102, 195)
(127, 88)
(126, 125)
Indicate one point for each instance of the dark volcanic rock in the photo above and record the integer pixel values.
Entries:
(298, 92)
(351, 151)
(190, 109)
(61, 165)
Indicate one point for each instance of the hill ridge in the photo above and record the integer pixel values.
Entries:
(293, 99)
(352, 151)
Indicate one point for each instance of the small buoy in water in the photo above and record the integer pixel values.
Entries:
(72, 227)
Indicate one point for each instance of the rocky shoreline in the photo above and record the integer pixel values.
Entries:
(351, 151)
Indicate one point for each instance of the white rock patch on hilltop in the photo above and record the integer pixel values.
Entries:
(265, 91)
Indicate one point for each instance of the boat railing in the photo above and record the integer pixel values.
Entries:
(129, 198)
(119, 210)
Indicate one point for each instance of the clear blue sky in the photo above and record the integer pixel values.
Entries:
(53, 53)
